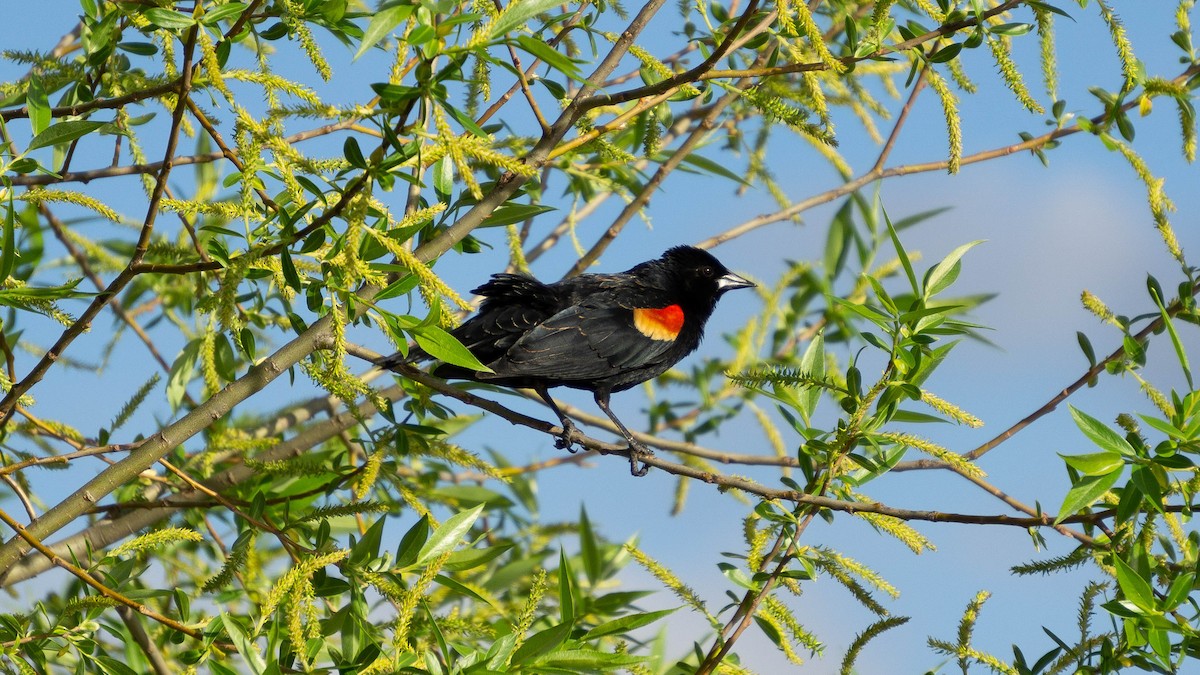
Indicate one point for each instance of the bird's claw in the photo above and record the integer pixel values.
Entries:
(638, 451)
(565, 441)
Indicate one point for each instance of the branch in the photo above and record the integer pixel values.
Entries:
(84, 322)
(509, 183)
(743, 484)
(686, 77)
(107, 103)
(704, 71)
(88, 579)
(698, 136)
(106, 532)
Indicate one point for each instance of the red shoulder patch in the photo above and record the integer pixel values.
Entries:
(663, 323)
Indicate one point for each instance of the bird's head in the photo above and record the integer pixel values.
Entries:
(697, 275)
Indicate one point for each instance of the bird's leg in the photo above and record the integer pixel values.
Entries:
(637, 449)
(563, 442)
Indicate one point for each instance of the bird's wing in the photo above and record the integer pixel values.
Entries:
(513, 304)
(582, 342)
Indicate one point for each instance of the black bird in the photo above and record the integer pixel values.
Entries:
(597, 332)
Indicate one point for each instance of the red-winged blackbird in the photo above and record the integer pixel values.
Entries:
(597, 332)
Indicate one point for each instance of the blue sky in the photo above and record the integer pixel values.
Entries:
(1051, 232)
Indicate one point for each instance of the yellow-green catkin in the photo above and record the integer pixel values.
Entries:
(41, 195)
(151, 540)
(407, 608)
(308, 43)
(950, 410)
(211, 64)
(668, 579)
(368, 475)
(1097, 307)
(809, 28)
(537, 589)
(1011, 75)
(1045, 29)
(953, 122)
(1116, 30)
(960, 464)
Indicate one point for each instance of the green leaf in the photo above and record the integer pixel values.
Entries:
(110, 666)
(1048, 7)
(1085, 493)
(464, 119)
(517, 13)
(926, 312)
(1180, 353)
(169, 19)
(448, 536)
(1160, 641)
(1180, 589)
(233, 9)
(367, 548)
(589, 549)
(1086, 345)
(541, 642)
(399, 287)
(551, 57)
(1135, 350)
(902, 255)
(353, 153)
(382, 24)
(1135, 589)
(1144, 479)
(246, 647)
(1095, 464)
(1100, 434)
(466, 591)
(25, 293)
(1011, 29)
(290, 276)
(471, 558)
(8, 254)
(64, 132)
(1165, 427)
(872, 314)
(626, 623)
(182, 371)
(515, 213)
(38, 104)
(813, 363)
(408, 549)
(443, 178)
(500, 653)
(566, 584)
(737, 576)
(442, 346)
(709, 166)
(945, 272)
(946, 53)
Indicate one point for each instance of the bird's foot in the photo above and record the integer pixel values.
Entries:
(565, 441)
(637, 451)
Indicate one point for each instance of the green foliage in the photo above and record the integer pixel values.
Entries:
(353, 531)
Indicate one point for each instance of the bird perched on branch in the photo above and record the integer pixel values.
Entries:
(602, 333)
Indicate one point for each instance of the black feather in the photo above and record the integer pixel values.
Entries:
(581, 332)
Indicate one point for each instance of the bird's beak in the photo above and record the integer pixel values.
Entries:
(731, 281)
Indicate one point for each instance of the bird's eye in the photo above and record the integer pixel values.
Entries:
(708, 272)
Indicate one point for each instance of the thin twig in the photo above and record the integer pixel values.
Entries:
(84, 576)
(84, 321)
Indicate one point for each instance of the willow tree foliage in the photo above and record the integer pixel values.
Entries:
(197, 186)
